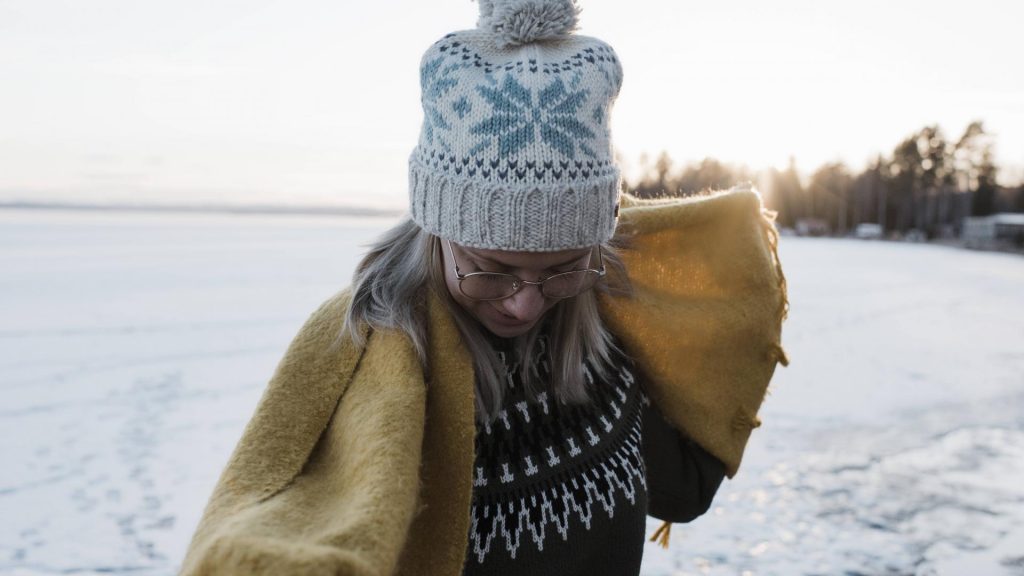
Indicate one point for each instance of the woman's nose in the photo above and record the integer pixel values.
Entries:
(525, 304)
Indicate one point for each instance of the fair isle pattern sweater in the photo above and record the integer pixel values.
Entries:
(560, 489)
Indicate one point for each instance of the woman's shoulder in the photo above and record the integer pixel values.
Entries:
(326, 328)
(328, 319)
(336, 305)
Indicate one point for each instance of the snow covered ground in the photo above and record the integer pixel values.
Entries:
(134, 347)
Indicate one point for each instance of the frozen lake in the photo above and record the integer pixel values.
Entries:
(133, 348)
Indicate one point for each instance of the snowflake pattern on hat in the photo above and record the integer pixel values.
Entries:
(520, 117)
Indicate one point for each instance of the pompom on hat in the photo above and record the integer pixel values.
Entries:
(515, 149)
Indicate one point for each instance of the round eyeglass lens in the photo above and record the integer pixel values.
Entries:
(570, 283)
(488, 286)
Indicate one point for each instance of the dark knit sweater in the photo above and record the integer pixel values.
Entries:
(561, 489)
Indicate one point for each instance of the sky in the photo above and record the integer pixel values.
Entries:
(316, 102)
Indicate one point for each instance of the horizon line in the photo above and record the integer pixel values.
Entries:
(202, 208)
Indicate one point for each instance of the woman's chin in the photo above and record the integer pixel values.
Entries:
(510, 330)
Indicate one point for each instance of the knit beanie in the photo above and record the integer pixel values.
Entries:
(515, 149)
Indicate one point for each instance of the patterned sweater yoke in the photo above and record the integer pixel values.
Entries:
(560, 489)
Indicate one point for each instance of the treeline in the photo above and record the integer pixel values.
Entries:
(928, 183)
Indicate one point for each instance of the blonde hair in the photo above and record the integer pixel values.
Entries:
(389, 290)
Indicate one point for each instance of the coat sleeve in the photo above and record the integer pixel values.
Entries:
(323, 479)
(682, 477)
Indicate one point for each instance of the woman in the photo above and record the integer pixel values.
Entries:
(519, 373)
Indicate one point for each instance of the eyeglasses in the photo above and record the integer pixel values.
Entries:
(498, 285)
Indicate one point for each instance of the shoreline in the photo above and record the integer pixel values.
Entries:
(244, 210)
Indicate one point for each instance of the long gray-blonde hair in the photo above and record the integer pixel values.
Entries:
(389, 290)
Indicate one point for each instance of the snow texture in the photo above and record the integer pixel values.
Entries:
(133, 349)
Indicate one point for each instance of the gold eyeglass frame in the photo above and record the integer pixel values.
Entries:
(518, 283)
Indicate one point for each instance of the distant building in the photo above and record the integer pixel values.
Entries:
(868, 231)
(1004, 230)
(812, 227)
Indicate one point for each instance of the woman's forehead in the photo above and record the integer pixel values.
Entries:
(539, 260)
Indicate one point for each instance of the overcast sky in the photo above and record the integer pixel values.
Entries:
(315, 101)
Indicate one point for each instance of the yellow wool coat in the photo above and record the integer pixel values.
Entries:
(357, 463)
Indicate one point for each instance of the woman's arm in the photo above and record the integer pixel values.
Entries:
(682, 477)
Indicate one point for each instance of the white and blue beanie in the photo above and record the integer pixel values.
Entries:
(515, 151)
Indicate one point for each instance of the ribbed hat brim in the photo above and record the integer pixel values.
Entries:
(505, 216)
